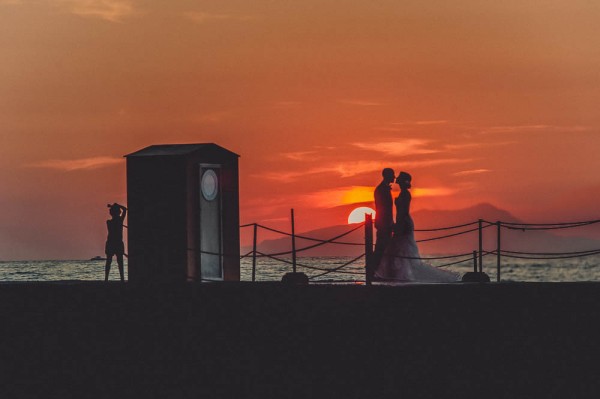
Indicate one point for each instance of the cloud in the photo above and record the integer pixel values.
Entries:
(452, 147)
(432, 122)
(108, 10)
(299, 155)
(362, 103)
(397, 148)
(534, 129)
(421, 123)
(433, 162)
(411, 147)
(432, 191)
(68, 165)
(408, 125)
(514, 129)
(472, 172)
(342, 169)
(339, 196)
(440, 122)
(361, 194)
(391, 129)
(202, 17)
(354, 168)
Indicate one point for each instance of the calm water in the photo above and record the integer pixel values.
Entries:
(580, 269)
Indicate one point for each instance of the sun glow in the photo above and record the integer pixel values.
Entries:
(358, 194)
(358, 214)
(340, 196)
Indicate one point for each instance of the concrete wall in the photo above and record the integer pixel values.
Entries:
(269, 340)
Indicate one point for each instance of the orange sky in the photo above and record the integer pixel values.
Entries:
(479, 100)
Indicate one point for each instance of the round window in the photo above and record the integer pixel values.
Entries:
(209, 185)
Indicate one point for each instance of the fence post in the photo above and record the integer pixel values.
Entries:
(480, 245)
(254, 253)
(498, 227)
(368, 248)
(293, 244)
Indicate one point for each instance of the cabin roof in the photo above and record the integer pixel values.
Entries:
(178, 150)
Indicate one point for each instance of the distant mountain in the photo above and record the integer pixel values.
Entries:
(515, 240)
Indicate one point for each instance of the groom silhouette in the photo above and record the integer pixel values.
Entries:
(384, 218)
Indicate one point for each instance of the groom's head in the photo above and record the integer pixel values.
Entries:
(388, 175)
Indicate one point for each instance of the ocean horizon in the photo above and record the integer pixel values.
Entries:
(511, 270)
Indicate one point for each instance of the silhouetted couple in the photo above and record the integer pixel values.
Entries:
(396, 256)
(114, 241)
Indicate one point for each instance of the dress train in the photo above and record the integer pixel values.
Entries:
(401, 262)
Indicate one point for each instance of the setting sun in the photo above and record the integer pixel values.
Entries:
(358, 214)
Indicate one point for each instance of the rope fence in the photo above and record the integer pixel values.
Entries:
(450, 260)
(546, 226)
(320, 243)
(314, 267)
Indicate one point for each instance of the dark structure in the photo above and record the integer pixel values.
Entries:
(183, 205)
(475, 277)
(271, 340)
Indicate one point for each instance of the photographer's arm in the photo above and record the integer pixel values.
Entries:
(123, 212)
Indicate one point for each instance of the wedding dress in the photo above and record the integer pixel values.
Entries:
(401, 260)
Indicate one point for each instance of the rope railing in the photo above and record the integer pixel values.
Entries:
(584, 222)
(545, 226)
(433, 257)
(469, 259)
(543, 256)
(565, 255)
(274, 256)
(452, 235)
(285, 260)
(447, 228)
(550, 253)
(456, 259)
(331, 241)
(339, 267)
(314, 267)
(320, 243)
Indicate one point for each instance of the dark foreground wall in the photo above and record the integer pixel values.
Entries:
(271, 341)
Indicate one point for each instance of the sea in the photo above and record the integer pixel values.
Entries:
(320, 270)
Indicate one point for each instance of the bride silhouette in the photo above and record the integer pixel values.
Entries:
(401, 260)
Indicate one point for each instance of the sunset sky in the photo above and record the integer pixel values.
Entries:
(481, 101)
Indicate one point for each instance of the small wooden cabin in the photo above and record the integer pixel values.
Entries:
(183, 213)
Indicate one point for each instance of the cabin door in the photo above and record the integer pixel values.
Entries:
(211, 240)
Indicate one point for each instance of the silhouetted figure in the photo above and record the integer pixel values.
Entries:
(114, 241)
(384, 218)
(401, 259)
(404, 223)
